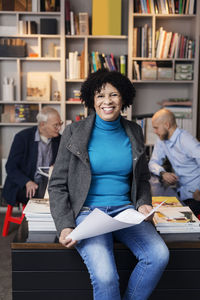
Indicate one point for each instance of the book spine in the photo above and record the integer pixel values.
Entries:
(72, 27)
(67, 17)
(123, 64)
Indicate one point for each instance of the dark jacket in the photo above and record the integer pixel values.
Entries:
(71, 177)
(22, 162)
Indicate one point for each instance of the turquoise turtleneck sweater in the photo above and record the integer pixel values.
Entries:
(110, 156)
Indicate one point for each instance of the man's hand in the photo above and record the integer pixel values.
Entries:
(31, 188)
(67, 242)
(145, 210)
(169, 178)
(196, 195)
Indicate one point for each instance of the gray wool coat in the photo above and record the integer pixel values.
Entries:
(71, 177)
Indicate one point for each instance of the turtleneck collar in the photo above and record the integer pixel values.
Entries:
(107, 125)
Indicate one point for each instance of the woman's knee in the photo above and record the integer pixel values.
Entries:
(160, 255)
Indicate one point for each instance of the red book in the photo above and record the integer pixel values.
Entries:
(67, 17)
(148, 7)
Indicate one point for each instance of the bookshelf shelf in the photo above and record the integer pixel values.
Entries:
(74, 102)
(31, 13)
(110, 37)
(18, 124)
(56, 59)
(74, 80)
(165, 81)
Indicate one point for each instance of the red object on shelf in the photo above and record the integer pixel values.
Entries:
(9, 218)
(78, 118)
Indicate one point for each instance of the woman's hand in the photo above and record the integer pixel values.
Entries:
(145, 210)
(67, 242)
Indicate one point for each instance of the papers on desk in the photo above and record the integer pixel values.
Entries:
(98, 222)
(37, 213)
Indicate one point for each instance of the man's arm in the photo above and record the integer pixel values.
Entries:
(155, 165)
(157, 158)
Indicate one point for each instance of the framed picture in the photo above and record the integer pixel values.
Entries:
(38, 86)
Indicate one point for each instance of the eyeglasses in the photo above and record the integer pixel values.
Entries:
(57, 125)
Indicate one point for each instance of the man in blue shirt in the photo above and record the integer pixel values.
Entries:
(183, 152)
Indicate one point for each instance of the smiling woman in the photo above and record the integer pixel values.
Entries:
(104, 156)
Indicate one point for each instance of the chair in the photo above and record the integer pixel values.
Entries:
(9, 218)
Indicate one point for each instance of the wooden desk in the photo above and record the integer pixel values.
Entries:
(43, 269)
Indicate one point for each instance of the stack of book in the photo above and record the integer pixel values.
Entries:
(108, 61)
(75, 65)
(172, 217)
(37, 213)
(173, 44)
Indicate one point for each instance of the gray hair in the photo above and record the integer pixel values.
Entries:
(43, 115)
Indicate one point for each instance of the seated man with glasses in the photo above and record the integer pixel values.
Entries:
(31, 149)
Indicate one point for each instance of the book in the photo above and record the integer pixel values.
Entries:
(181, 111)
(67, 17)
(106, 17)
(150, 136)
(137, 70)
(160, 41)
(135, 32)
(38, 86)
(72, 26)
(167, 45)
(32, 27)
(169, 201)
(83, 23)
(123, 64)
(34, 6)
(22, 113)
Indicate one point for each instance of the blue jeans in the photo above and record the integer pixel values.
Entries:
(144, 242)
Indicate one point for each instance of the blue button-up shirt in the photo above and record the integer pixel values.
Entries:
(183, 152)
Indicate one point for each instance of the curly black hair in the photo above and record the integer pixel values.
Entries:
(98, 79)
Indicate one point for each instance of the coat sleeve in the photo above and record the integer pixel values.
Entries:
(13, 165)
(143, 193)
(58, 187)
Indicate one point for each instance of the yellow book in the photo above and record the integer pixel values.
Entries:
(106, 17)
(169, 201)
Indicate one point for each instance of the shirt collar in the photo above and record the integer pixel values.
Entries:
(38, 137)
(173, 138)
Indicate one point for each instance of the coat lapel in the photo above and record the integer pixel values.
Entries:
(78, 143)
